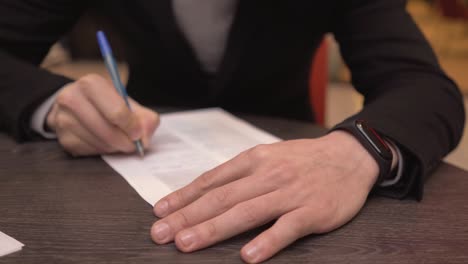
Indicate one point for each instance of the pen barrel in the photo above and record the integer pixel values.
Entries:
(115, 76)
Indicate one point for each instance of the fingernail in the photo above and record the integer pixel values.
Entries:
(161, 232)
(162, 207)
(188, 238)
(252, 253)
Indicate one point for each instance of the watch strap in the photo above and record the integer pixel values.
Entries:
(372, 142)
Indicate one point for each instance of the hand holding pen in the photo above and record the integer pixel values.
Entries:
(111, 65)
(90, 117)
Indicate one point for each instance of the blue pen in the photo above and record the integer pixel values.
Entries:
(109, 60)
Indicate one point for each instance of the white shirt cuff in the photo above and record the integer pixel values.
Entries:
(39, 117)
(400, 166)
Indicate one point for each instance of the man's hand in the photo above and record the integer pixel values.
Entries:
(310, 186)
(90, 117)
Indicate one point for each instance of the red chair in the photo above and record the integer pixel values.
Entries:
(318, 83)
(453, 9)
(455, 24)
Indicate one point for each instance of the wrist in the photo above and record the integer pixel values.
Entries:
(351, 151)
(40, 117)
(373, 142)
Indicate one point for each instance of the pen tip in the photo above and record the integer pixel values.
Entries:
(140, 149)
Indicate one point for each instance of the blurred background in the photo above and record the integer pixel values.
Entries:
(443, 22)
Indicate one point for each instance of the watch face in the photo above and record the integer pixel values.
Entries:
(379, 145)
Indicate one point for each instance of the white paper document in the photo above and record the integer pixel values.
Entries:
(8, 245)
(185, 145)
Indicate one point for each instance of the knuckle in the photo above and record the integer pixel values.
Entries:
(89, 80)
(222, 194)
(66, 98)
(211, 229)
(248, 213)
(259, 152)
(322, 228)
(297, 226)
(175, 201)
(325, 221)
(120, 116)
(205, 182)
(284, 165)
(284, 171)
(178, 199)
(182, 219)
(63, 122)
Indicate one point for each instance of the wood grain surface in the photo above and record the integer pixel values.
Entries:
(70, 210)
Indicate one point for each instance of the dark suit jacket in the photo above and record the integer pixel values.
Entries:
(264, 71)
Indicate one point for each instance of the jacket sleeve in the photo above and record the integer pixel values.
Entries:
(408, 97)
(28, 28)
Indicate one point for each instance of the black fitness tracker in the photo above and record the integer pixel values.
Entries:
(372, 142)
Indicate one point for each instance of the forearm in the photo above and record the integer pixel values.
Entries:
(27, 30)
(408, 98)
(22, 89)
(425, 129)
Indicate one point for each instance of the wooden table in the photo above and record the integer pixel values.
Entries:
(80, 211)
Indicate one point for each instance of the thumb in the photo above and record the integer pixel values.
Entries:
(149, 121)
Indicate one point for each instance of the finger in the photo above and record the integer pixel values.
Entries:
(93, 121)
(209, 206)
(240, 218)
(51, 117)
(105, 98)
(232, 170)
(286, 230)
(149, 121)
(75, 145)
(67, 121)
